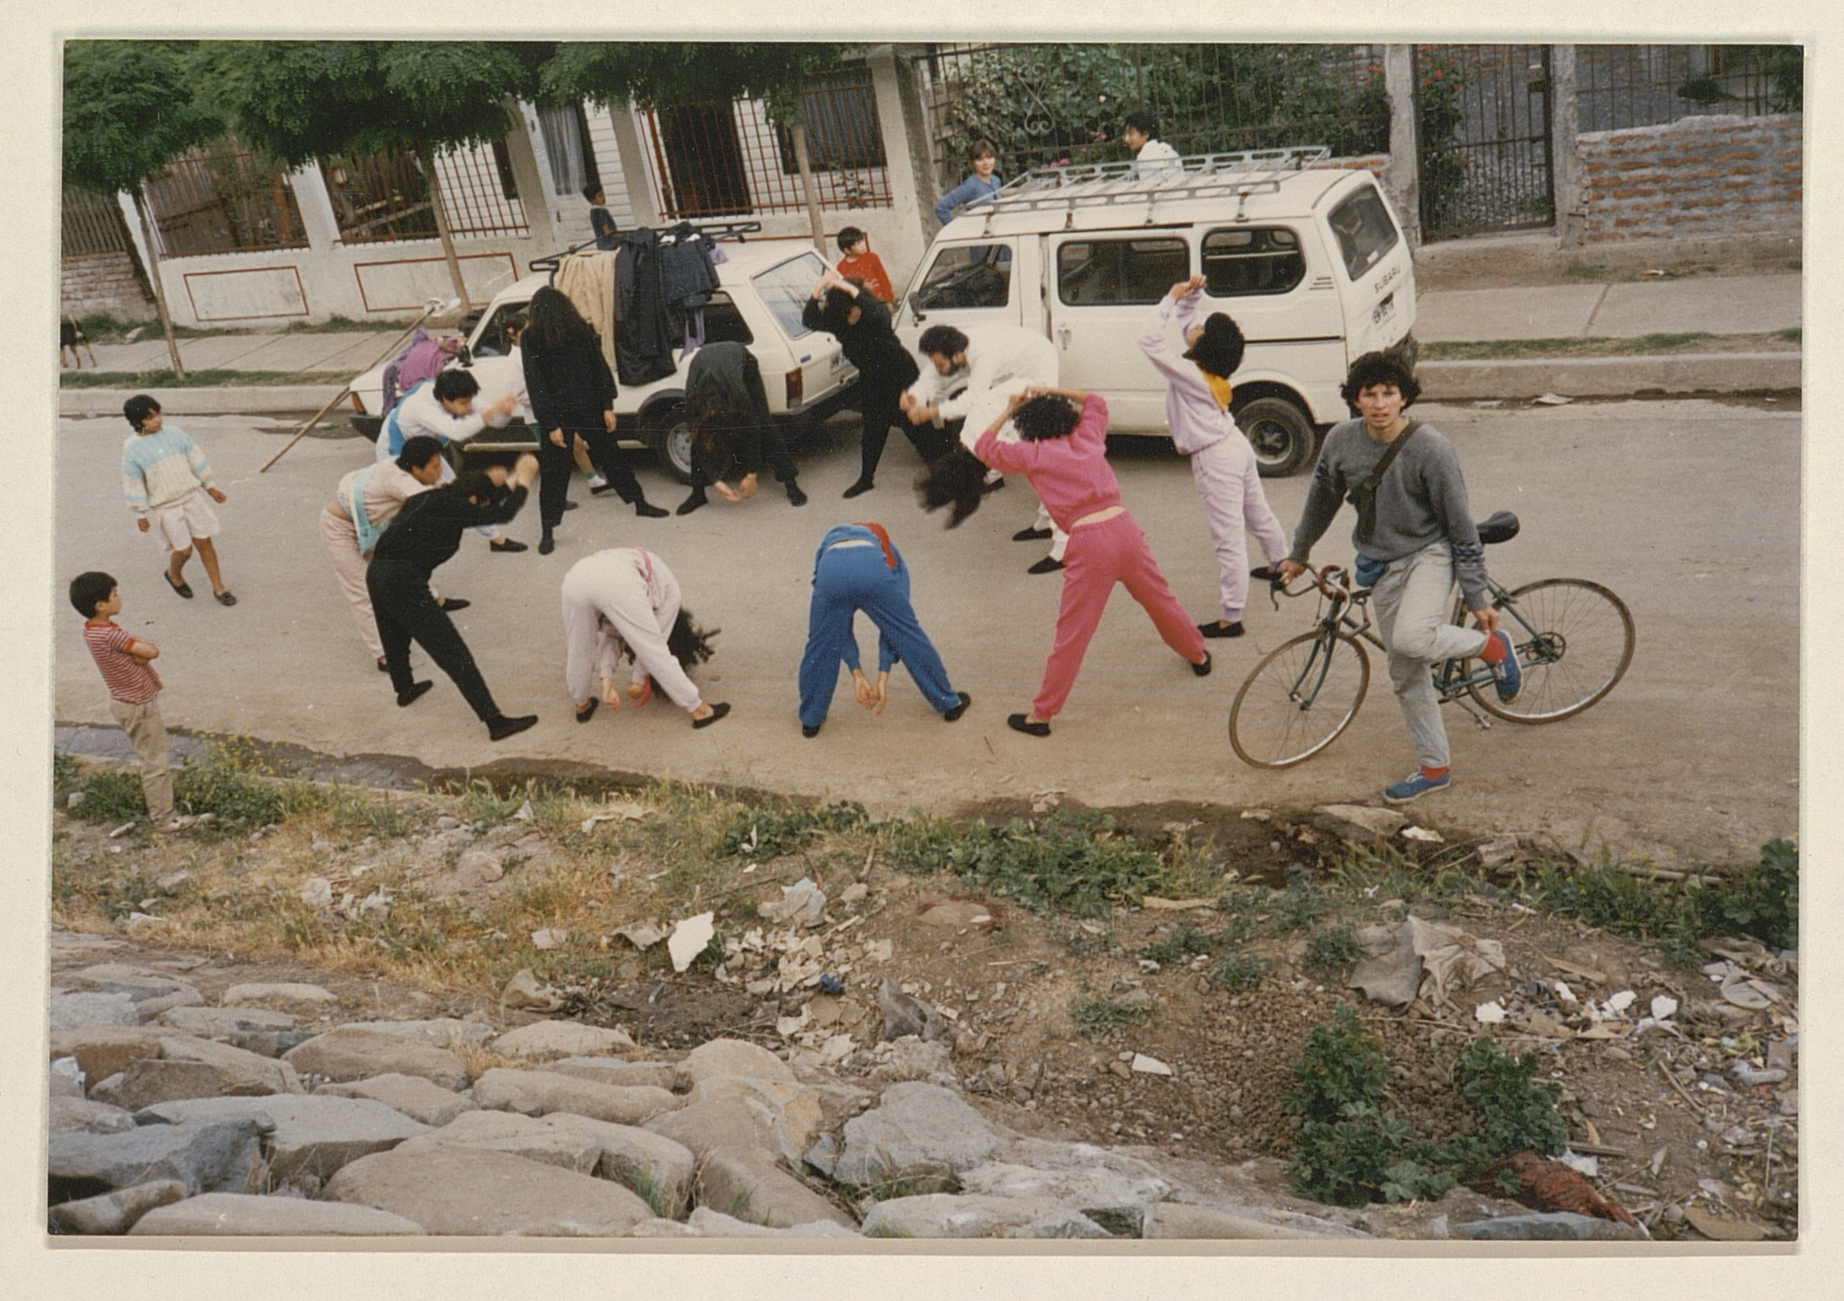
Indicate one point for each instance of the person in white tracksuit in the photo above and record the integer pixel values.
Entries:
(626, 597)
(1222, 462)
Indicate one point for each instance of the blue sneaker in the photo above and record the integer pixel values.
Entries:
(1507, 677)
(1415, 786)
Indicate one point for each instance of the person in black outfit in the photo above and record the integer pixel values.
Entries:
(842, 307)
(572, 394)
(425, 534)
(732, 432)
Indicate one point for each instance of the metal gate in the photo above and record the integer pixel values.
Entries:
(1483, 124)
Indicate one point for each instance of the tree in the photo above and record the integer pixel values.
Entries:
(301, 100)
(128, 112)
(650, 74)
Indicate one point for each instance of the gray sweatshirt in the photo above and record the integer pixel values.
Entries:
(1421, 500)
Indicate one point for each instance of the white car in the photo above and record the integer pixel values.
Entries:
(762, 287)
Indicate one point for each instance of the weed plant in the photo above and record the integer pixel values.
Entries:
(772, 832)
(1074, 863)
(1238, 972)
(1330, 951)
(1104, 1018)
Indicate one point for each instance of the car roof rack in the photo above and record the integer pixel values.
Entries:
(1082, 185)
(714, 230)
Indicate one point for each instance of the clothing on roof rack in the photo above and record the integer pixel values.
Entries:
(688, 279)
(643, 333)
(587, 279)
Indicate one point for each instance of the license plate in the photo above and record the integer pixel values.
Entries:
(1383, 310)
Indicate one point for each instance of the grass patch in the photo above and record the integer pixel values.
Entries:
(1104, 1018)
(337, 324)
(1487, 349)
(1791, 334)
(772, 832)
(1185, 942)
(1238, 972)
(209, 377)
(1331, 951)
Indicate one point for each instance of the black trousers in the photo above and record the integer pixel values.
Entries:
(555, 466)
(407, 611)
(605, 455)
(880, 412)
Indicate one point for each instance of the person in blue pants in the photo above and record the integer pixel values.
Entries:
(858, 568)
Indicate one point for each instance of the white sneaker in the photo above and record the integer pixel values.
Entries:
(597, 480)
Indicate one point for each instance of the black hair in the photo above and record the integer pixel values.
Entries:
(455, 382)
(552, 322)
(837, 304)
(137, 409)
(1143, 122)
(1219, 348)
(417, 450)
(1380, 368)
(980, 149)
(1048, 415)
(956, 478)
(591, 189)
(87, 591)
(848, 236)
(689, 644)
(942, 341)
(475, 483)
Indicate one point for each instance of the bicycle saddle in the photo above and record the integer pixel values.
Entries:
(1500, 526)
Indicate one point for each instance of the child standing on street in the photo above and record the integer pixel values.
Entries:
(165, 479)
(134, 688)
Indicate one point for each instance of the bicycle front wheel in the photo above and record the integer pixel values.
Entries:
(1574, 640)
(1299, 698)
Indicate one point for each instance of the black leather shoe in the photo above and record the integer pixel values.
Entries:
(413, 694)
(809, 729)
(1023, 723)
(587, 712)
(507, 546)
(1202, 670)
(795, 496)
(454, 603)
(859, 489)
(1048, 565)
(1217, 628)
(951, 714)
(717, 712)
(1030, 535)
(499, 727)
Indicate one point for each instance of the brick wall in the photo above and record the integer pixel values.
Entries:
(105, 282)
(1697, 176)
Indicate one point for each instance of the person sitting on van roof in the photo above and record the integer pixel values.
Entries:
(982, 158)
(1155, 159)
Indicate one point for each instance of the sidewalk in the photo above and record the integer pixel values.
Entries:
(1727, 305)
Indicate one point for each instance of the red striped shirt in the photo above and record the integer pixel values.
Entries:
(129, 680)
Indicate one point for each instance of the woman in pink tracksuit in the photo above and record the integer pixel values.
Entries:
(1064, 454)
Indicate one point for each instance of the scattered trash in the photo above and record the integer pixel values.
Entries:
(1044, 801)
(1489, 1014)
(690, 938)
(830, 984)
(1422, 834)
(524, 813)
(614, 813)
(547, 939)
(1496, 853)
(1150, 1065)
(1746, 1073)
(317, 893)
(643, 935)
(801, 904)
(1663, 1006)
(1552, 400)
(525, 991)
(122, 830)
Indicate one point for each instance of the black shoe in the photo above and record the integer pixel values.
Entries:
(598, 489)
(546, 545)
(499, 727)
(587, 712)
(413, 694)
(859, 489)
(692, 503)
(717, 712)
(1265, 575)
(647, 510)
(1023, 723)
(569, 505)
(507, 546)
(182, 587)
(1030, 535)
(383, 665)
(795, 496)
(1202, 670)
(951, 714)
(451, 604)
(809, 729)
(225, 598)
(1048, 565)
(1217, 628)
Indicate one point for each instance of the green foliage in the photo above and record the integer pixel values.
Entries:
(1238, 972)
(1341, 1066)
(1761, 900)
(769, 833)
(111, 796)
(1785, 66)
(1077, 863)
(1516, 1113)
(654, 73)
(1103, 1018)
(1185, 942)
(1604, 896)
(1361, 1157)
(1330, 951)
(1440, 79)
(129, 110)
(1081, 943)
(211, 377)
(237, 799)
(1296, 908)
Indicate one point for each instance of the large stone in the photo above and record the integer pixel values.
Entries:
(114, 1212)
(223, 1022)
(726, 1124)
(103, 1051)
(419, 1099)
(346, 1054)
(196, 1068)
(83, 1115)
(732, 1057)
(502, 1131)
(65, 1078)
(461, 1190)
(206, 1156)
(917, 1131)
(538, 1092)
(756, 1190)
(797, 1110)
(228, 1215)
(546, 1041)
(442, 1031)
(944, 1215)
(612, 1070)
(310, 999)
(707, 1223)
(1178, 1220)
(655, 1167)
(311, 1137)
(90, 1008)
(1359, 823)
(1548, 1226)
(152, 992)
(1113, 1190)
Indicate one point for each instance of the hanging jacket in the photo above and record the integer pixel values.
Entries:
(643, 330)
(588, 281)
(687, 279)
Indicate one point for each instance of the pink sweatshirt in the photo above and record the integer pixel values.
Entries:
(1071, 476)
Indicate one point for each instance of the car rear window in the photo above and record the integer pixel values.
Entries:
(1364, 230)
(1247, 260)
(1100, 272)
(784, 289)
(967, 275)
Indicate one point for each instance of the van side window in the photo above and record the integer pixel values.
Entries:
(972, 275)
(1252, 260)
(1098, 272)
(1364, 229)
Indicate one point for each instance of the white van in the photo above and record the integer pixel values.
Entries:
(763, 285)
(1309, 260)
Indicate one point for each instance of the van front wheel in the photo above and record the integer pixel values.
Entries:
(669, 436)
(1281, 434)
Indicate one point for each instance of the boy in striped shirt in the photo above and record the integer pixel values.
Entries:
(165, 480)
(134, 688)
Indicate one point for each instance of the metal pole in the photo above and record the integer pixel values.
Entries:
(430, 310)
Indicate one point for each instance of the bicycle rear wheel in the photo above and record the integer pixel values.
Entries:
(1298, 699)
(1574, 640)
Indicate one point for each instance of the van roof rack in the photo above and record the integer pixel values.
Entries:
(1081, 185)
(715, 230)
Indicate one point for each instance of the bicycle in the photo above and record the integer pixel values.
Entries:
(1574, 640)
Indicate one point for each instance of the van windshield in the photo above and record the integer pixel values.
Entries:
(1364, 229)
(968, 275)
(784, 290)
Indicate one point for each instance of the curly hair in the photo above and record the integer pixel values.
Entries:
(941, 341)
(1380, 368)
(1219, 348)
(1048, 415)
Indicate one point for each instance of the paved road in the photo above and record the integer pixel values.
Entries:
(1694, 756)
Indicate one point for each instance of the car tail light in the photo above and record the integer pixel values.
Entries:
(796, 387)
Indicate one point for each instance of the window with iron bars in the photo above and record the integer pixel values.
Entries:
(221, 199)
(1623, 86)
(385, 196)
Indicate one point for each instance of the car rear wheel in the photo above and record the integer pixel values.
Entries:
(670, 437)
(1281, 434)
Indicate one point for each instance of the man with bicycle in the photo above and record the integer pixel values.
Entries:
(1415, 537)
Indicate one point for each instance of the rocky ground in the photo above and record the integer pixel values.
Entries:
(877, 1052)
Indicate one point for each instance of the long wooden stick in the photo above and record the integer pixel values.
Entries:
(339, 397)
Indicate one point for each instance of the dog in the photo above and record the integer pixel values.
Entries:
(70, 338)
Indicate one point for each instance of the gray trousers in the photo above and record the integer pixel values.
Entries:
(148, 736)
(1412, 604)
